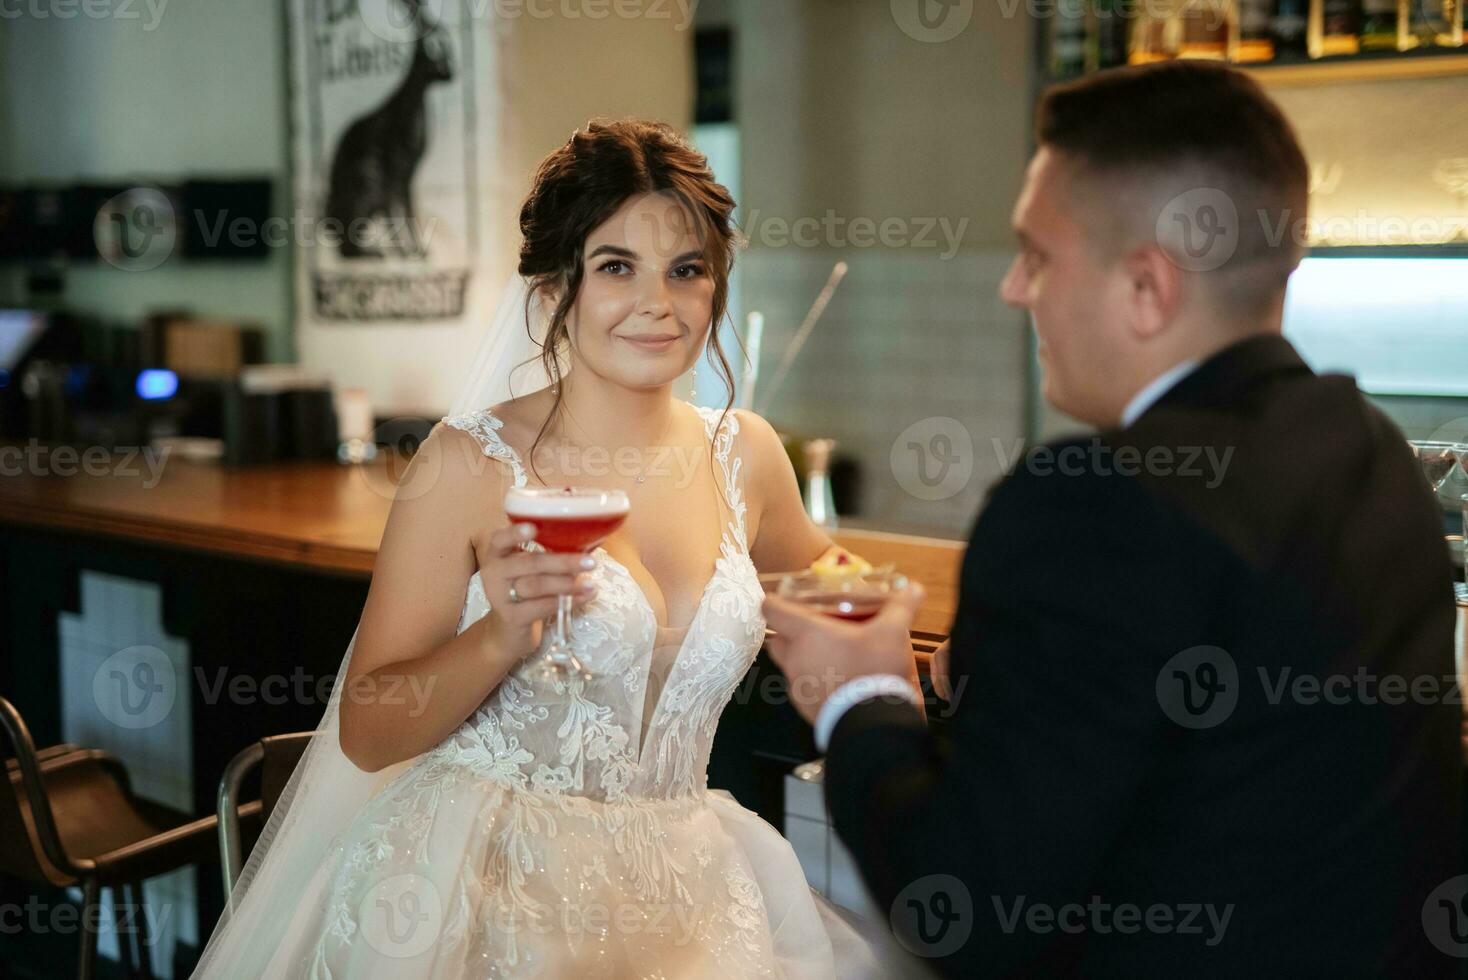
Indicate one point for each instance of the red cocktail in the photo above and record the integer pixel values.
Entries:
(566, 519)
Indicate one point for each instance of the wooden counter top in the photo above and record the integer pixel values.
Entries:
(328, 517)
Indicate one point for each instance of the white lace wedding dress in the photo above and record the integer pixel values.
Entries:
(566, 830)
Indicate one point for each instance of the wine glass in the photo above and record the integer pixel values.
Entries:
(1437, 460)
(567, 520)
(854, 596)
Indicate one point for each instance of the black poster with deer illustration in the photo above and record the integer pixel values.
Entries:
(384, 147)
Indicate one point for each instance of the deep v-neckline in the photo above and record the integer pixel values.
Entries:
(702, 596)
(738, 548)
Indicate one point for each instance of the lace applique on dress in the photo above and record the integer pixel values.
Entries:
(574, 789)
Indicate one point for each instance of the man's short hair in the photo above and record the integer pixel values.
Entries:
(1158, 147)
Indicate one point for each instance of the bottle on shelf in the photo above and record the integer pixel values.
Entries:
(1068, 39)
(1107, 45)
(1289, 27)
(1430, 24)
(1381, 24)
(1252, 38)
(1155, 36)
(820, 502)
(1203, 28)
(1335, 28)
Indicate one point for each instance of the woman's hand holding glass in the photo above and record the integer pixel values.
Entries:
(516, 621)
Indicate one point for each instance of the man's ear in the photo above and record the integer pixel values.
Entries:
(1155, 293)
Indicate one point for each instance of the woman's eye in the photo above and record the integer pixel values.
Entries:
(613, 266)
(688, 270)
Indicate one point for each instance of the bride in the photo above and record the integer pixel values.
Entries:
(463, 814)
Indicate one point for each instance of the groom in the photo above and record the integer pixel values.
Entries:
(1206, 725)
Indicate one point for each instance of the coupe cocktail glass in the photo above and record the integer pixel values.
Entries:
(567, 520)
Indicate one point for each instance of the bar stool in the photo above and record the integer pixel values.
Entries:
(276, 756)
(68, 816)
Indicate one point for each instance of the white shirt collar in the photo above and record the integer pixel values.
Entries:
(1154, 390)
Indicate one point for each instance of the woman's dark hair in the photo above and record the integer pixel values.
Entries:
(581, 185)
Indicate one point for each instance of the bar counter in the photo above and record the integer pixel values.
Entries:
(251, 580)
(329, 518)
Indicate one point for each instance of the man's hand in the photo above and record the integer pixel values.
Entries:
(819, 653)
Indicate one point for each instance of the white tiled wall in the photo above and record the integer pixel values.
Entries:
(910, 335)
(125, 688)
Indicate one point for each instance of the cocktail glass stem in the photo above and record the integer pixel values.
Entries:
(559, 658)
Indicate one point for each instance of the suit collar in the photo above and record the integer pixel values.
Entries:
(1237, 367)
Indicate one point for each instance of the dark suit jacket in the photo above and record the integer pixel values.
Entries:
(1187, 742)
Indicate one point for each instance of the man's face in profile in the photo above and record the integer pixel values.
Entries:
(1073, 294)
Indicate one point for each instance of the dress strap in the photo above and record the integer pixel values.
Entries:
(723, 444)
(484, 427)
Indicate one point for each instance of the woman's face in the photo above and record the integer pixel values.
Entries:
(646, 295)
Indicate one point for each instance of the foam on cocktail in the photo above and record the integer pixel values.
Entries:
(559, 503)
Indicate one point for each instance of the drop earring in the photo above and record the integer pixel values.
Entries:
(693, 385)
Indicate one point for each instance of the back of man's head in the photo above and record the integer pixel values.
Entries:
(1195, 157)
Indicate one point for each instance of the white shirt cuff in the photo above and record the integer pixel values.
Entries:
(854, 692)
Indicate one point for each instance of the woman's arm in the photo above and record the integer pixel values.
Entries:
(412, 680)
(785, 539)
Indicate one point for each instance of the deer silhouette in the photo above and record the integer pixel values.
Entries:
(379, 153)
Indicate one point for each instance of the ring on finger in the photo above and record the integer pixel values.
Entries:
(514, 593)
